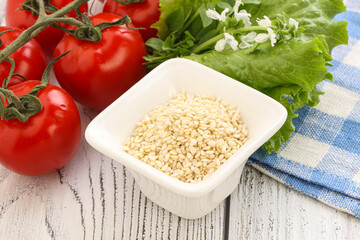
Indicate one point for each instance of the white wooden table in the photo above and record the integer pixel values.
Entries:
(94, 197)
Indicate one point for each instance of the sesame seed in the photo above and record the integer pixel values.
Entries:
(189, 137)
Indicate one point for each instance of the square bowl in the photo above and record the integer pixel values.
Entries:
(108, 131)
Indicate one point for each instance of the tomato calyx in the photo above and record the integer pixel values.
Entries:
(27, 105)
(127, 2)
(89, 32)
(33, 6)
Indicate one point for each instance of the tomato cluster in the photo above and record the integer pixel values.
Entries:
(93, 74)
(23, 19)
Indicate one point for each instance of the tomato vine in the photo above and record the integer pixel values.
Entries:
(44, 20)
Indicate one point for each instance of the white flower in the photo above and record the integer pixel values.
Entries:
(229, 40)
(272, 36)
(247, 39)
(244, 16)
(293, 22)
(266, 22)
(263, 37)
(237, 5)
(213, 14)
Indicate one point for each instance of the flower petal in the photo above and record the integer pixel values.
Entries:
(244, 45)
(272, 36)
(250, 37)
(245, 39)
(220, 45)
(237, 5)
(223, 15)
(226, 42)
(244, 16)
(213, 14)
(228, 36)
(233, 44)
(266, 22)
(293, 22)
(261, 37)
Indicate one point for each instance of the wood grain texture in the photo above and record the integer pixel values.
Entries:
(262, 208)
(94, 197)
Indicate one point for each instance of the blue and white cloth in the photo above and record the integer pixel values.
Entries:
(322, 158)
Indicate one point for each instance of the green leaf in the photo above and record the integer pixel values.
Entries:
(197, 24)
(155, 43)
(175, 21)
(168, 44)
(206, 21)
(169, 6)
(223, 5)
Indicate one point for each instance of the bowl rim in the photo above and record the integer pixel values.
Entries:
(170, 183)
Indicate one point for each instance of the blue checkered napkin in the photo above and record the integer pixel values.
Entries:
(322, 158)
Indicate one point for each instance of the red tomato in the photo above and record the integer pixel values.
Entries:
(48, 140)
(23, 19)
(95, 74)
(142, 14)
(30, 60)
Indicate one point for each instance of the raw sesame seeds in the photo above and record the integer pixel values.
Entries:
(189, 137)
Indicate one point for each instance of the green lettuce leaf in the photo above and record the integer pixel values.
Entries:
(287, 72)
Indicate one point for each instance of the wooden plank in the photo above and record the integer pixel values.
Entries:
(262, 208)
(93, 197)
(98, 200)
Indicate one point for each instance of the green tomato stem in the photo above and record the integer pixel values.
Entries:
(127, 2)
(42, 22)
(10, 96)
(27, 105)
(41, 8)
(36, 7)
(12, 69)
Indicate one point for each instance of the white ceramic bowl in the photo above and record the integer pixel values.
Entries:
(109, 130)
